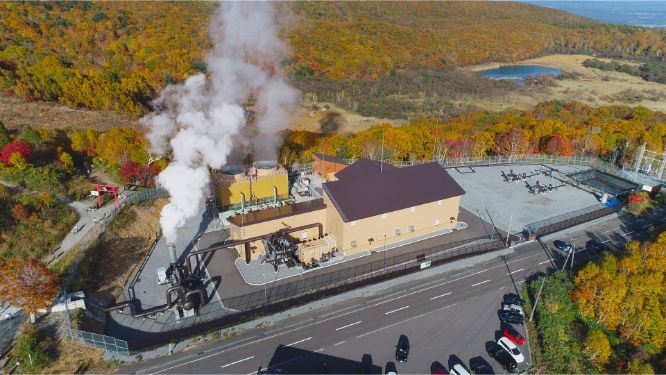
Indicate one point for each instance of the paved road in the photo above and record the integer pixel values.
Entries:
(447, 318)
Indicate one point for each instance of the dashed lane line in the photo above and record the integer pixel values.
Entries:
(348, 325)
(441, 295)
(239, 361)
(339, 343)
(512, 272)
(299, 341)
(398, 309)
(479, 283)
(406, 320)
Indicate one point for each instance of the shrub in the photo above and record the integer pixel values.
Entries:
(18, 146)
(638, 203)
(31, 350)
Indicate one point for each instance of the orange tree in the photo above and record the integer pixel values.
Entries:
(27, 284)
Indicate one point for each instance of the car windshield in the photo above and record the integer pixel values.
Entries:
(515, 351)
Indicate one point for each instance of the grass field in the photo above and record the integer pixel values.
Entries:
(592, 86)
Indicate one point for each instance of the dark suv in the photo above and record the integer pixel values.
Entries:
(502, 357)
(513, 299)
(402, 349)
(508, 316)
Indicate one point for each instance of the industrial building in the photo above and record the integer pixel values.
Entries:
(237, 187)
(365, 205)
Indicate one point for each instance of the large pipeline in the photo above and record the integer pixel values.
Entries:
(246, 242)
(181, 294)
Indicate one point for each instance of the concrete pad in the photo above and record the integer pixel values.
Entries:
(493, 199)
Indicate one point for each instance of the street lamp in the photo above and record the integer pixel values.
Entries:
(264, 276)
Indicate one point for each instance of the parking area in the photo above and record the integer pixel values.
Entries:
(490, 196)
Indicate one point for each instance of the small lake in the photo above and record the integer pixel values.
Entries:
(519, 71)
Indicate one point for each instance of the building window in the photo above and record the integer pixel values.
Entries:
(397, 232)
(437, 221)
(353, 223)
(439, 203)
(383, 216)
(412, 209)
(411, 228)
(304, 235)
(353, 244)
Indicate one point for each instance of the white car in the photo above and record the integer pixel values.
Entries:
(510, 347)
(513, 307)
(458, 369)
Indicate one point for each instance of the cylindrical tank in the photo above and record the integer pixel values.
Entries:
(265, 167)
(232, 173)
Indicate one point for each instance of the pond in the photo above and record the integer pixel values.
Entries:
(519, 71)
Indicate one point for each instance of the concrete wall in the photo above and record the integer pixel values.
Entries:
(266, 227)
(424, 219)
(262, 187)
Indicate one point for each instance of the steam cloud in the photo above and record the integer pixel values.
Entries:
(202, 119)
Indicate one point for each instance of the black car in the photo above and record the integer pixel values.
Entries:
(481, 368)
(595, 245)
(507, 316)
(513, 299)
(502, 356)
(402, 349)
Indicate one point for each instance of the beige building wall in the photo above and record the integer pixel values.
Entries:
(396, 226)
(266, 227)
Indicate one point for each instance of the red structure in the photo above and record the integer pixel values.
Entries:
(101, 188)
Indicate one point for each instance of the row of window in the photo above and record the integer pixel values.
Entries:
(397, 232)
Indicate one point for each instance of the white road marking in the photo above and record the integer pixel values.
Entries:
(512, 272)
(521, 281)
(502, 288)
(441, 295)
(392, 311)
(299, 341)
(319, 350)
(544, 262)
(339, 343)
(239, 361)
(482, 282)
(348, 325)
(404, 321)
(605, 241)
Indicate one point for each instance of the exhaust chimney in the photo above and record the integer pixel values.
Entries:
(173, 259)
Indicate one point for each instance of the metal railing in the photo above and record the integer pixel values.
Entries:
(96, 340)
(570, 219)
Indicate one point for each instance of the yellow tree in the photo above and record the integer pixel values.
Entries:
(597, 348)
(27, 284)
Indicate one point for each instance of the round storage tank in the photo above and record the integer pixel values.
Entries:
(232, 172)
(265, 167)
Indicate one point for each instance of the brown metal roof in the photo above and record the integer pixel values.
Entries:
(331, 159)
(362, 167)
(393, 189)
(277, 212)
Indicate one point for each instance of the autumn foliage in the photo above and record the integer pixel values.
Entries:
(27, 284)
(20, 147)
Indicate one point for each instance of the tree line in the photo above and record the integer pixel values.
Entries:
(649, 71)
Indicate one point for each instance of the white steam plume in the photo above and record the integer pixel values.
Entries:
(199, 118)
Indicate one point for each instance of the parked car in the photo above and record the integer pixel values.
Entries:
(402, 349)
(459, 369)
(502, 357)
(510, 333)
(561, 245)
(439, 370)
(514, 299)
(510, 347)
(366, 364)
(481, 368)
(510, 307)
(511, 317)
(390, 369)
(595, 245)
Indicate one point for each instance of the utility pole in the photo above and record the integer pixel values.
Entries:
(384, 252)
(537, 298)
(573, 252)
(565, 262)
(508, 233)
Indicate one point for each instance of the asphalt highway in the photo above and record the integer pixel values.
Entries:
(447, 318)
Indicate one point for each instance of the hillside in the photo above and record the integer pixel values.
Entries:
(115, 56)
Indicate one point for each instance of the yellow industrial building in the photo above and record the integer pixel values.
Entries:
(236, 187)
(368, 205)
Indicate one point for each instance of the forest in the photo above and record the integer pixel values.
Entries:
(609, 316)
(556, 128)
(116, 56)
